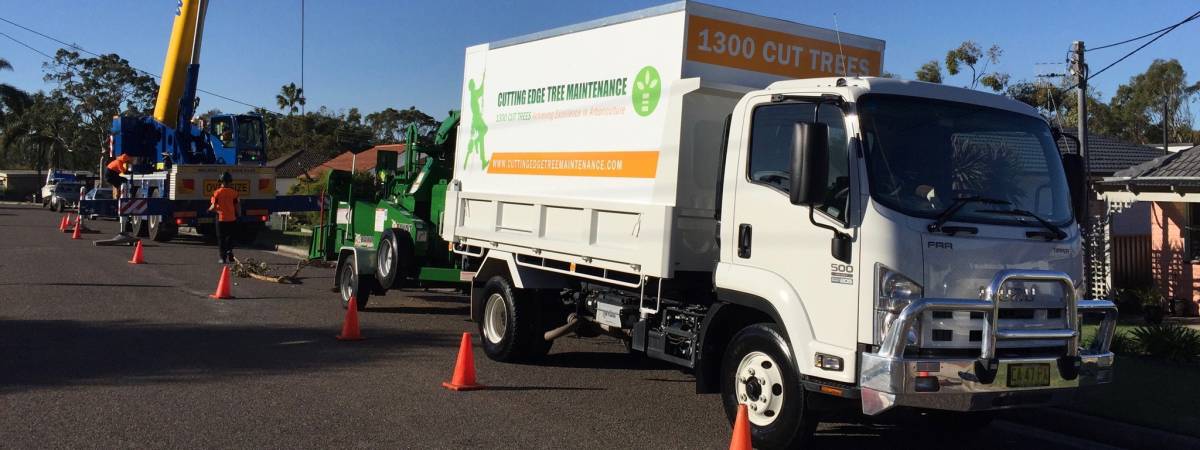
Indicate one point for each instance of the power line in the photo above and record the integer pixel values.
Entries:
(1161, 33)
(1160, 30)
(25, 45)
(76, 47)
(1164, 33)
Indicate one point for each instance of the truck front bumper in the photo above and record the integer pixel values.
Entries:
(889, 378)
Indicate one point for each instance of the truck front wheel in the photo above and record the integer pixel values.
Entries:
(757, 372)
(511, 329)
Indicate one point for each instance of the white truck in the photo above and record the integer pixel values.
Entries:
(738, 195)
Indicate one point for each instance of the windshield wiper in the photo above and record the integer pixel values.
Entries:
(948, 213)
(1056, 233)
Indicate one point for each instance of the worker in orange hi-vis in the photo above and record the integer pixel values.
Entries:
(113, 172)
(225, 204)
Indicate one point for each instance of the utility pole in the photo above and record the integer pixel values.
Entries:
(1079, 69)
(1166, 124)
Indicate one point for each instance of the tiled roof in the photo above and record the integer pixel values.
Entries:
(1183, 163)
(362, 162)
(1179, 171)
(295, 163)
(1109, 155)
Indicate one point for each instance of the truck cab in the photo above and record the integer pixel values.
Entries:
(239, 138)
(952, 275)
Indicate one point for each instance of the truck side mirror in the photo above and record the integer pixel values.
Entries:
(1076, 181)
(810, 162)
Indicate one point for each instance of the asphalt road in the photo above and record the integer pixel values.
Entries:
(98, 353)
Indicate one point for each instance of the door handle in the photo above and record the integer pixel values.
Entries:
(744, 235)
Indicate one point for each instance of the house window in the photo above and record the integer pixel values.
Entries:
(1191, 232)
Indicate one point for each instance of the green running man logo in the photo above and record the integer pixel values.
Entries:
(478, 127)
(647, 88)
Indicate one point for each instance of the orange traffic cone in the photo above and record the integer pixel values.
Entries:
(350, 330)
(62, 224)
(137, 255)
(741, 431)
(67, 227)
(223, 286)
(78, 227)
(464, 368)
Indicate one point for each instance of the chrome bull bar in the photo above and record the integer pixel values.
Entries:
(885, 378)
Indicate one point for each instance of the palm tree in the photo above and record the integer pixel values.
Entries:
(12, 100)
(290, 98)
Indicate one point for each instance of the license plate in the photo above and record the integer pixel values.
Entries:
(1028, 375)
(210, 186)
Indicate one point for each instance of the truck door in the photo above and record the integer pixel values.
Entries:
(776, 236)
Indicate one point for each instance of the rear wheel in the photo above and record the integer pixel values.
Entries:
(141, 226)
(351, 284)
(757, 372)
(160, 229)
(511, 329)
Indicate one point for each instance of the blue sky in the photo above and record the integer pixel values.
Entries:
(376, 53)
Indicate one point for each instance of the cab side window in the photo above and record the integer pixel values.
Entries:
(771, 151)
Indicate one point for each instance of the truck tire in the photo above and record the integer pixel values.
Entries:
(140, 226)
(160, 230)
(351, 284)
(757, 371)
(511, 328)
(56, 205)
(394, 259)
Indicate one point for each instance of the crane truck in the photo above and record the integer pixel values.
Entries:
(177, 164)
(744, 197)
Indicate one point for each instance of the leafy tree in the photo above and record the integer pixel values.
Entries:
(320, 131)
(209, 114)
(290, 98)
(1140, 104)
(39, 136)
(390, 124)
(1061, 106)
(354, 117)
(930, 72)
(94, 90)
(969, 54)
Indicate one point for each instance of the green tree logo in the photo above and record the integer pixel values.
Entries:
(479, 128)
(647, 89)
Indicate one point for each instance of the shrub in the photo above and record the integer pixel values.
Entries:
(1122, 344)
(1173, 342)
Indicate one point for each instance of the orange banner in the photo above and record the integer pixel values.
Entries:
(626, 164)
(760, 50)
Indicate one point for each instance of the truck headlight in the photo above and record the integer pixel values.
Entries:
(893, 293)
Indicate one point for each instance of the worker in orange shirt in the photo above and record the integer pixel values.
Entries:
(113, 172)
(225, 204)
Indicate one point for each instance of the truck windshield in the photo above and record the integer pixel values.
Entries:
(922, 154)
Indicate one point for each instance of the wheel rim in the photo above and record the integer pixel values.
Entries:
(759, 386)
(347, 284)
(495, 319)
(386, 258)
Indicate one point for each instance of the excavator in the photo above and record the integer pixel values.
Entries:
(178, 161)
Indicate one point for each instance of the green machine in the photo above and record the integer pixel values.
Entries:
(383, 229)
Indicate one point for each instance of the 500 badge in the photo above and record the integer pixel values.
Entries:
(841, 273)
